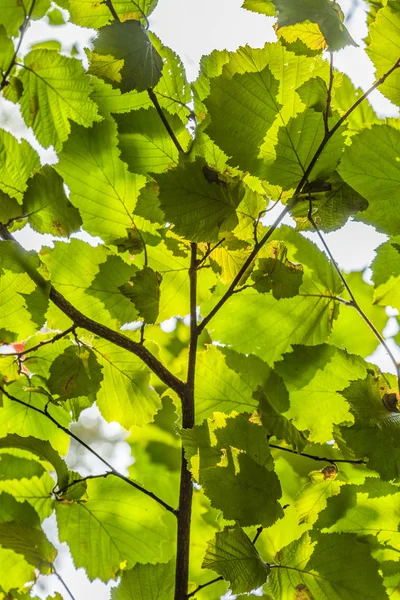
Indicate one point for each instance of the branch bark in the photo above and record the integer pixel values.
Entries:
(186, 487)
(80, 320)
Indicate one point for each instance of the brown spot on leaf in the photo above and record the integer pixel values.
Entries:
(303, 593)
(329, 472)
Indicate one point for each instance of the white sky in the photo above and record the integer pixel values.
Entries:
(193, 28)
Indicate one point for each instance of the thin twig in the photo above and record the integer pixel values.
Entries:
(112, 10)
(259, 532)
(209, 251)
(332, 461)
(204, 585)
(354, 302)
(62, 491)
(329, 96)
(163, 118)
(22, 30)
(57, 337)
(61, 580)
(286, 210)
(45, 413)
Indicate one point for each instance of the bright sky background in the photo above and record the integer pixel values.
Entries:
(193, 28)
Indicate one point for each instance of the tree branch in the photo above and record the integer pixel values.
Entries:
(80, 320)
(186, 487)
(304, 179)
(57, 337)
(45, 413)
(163, 118)
(332, 461)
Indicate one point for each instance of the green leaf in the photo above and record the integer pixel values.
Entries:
(144, 291)
(173, 90)
(312, 312)
(29, 542)
(369, 509)
(19, 161)
(130, 42)
(55, 17)
(232, 555)
(276, 273)
(368, 166)
(147, 582)
(333, 203)
(276, 424)
(314, 496)
(173, 265)
(6, 49)
(265, 7)
(348, 331)
(298, 141)
(386, 272)
(314, 377)
(337, 566)
(234, 466)
(75, 373)
(326, 14)
(36, 491)
(101, 186)
(374, 434)
(100, 530)
(84, 13)
(218, 388)
(56, 89)
(15, 467)
(145, 144)
(12, 14)
(242, 109)
(384, 49)
(198, 201)
(47, 206)
(42, 449)
(125, 395)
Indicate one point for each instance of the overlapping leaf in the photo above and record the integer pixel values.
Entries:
(56, 89)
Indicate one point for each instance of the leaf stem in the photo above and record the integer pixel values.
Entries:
(209, 251)
(45, 413)
(332, 461)
(186, 486)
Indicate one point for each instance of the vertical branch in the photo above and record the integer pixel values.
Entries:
(186, 488)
